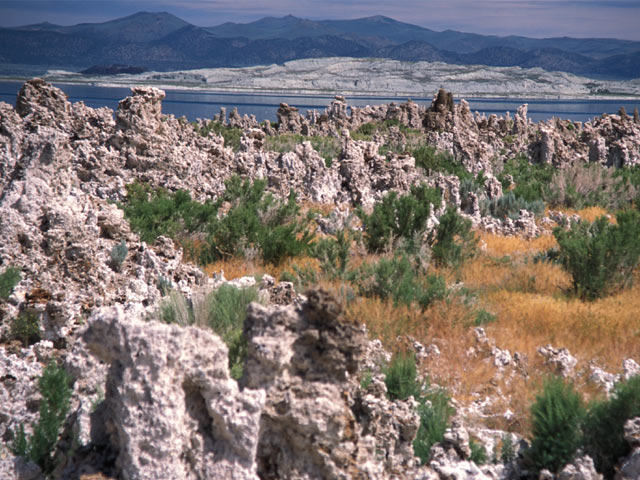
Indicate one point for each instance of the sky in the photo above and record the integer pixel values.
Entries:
(533, 18)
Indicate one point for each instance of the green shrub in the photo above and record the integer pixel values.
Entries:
(8, 280)
(152, 213)
(588, 185)
(509, 206)
(531, 180)
(507, 450)
(432, 161)
(118, 255)
(629, 178)
(397, 217)
(601, 257)
(174, 308)
(483, 318)
(433, 408)
(333, 254)
(366, 380)
(54, 406)
(478, 452)
(231, 135)
(301, 277)
(164, 285)
(326, 146)
(259, 219)
(398, 279)
(401, 378)
(226, 310)
(556, 415)
(604, 425)
(25, 328)
(255, 219)
(367, 128)
(454, 242)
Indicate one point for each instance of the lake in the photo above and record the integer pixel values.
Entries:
(199, 104)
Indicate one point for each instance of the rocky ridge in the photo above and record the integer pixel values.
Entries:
(298, 410)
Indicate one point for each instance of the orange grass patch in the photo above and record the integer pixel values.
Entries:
(236, 267)
(485, 273)
(589, 214)
(607, 330)
(499, 245)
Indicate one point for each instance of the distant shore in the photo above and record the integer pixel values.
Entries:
(368, 77)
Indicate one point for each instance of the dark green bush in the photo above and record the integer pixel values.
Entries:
(397, 217)
(483, 318)
(25, 328)
(601, 257)
(604, 425)
(507, 450)
(226, 310)
(435, 411)
(54, 406)
(152, 213)
(454, 242)
(629, 178)
(301, 277)
(164, 285)
(328, 147)
(509, 206)
(333, 254)
(478, 452)
(398, 279)
(531, 180)
(432, 161)
(367, 128)
(401, 378)
(255, 219)
(259, 219)
(434, 406)
(556, 415)
(231, 135)
(8, 280)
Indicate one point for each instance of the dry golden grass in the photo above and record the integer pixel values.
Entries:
(607, 330)
(533, 309)
(499, 245)
(234, 267)
(489, 274)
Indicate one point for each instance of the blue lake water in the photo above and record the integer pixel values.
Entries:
(199, 104)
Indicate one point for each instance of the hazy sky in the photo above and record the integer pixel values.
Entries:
(535, 18)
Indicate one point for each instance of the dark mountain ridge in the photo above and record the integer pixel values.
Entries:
(162, 41)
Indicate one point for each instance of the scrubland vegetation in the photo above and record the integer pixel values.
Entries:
(573, 287)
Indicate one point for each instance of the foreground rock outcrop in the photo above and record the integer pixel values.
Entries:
(171, 409)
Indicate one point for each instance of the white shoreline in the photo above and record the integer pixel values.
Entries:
(373, 78)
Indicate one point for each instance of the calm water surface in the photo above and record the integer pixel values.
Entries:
(197, 104)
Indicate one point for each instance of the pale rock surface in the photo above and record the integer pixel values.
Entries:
(630, 466)
(172, 410)
(314, 425)
(560, 359)
(580, 469)
(602, 378)
(630, 368)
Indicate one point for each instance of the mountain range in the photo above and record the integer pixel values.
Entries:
(161, 41)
